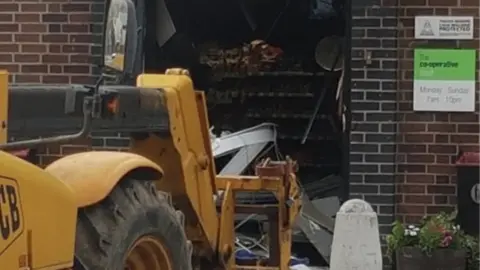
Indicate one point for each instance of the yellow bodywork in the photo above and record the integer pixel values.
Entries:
(186, 155)
(38, 217)
(92, 175)
(45, 202)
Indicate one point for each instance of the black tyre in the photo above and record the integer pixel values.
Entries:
(135, 227)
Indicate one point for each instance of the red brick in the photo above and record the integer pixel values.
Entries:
(411, 148)
(55, 79)
(54, 17)
(54, 58)
(33, 48)
(418, 199)
(8, 27)
(440, 169)
(5, 17)
(412, 2)
(464, 138)
(76, 69)
(464, 117)
(435, 209)
(73, 149)
(81, 59)
(443, 3)
(9, 48)
(80, 38)
(84, 7)
(419, 138)
(411, 189)
(81, 17)
(412, 127)
(441, 189)
(468, 128)
(6, 58)
(6, 37)
(411, 209)
(75, 28)
(11, 68)
(55, 69)
(27, 58)
(27, 7)
(81, 79)
(442, 179)
(441, 138)
(464, 11)
(419, 179)
(412, 219)
(27, 38)
(420, 158)
(442, 149)
(9, 7)
(441, 199)
(411, 168)
(27, 17)
(443, 159)
(37, 68)
(55, 38)
(469, 3)
(441, 127)
(27, 78)
(54, 48)
(419, 117)
(76, 49)
(33, 28)
(441, 12)
(54, 7)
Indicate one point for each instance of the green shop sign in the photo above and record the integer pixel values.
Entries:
(444, 80)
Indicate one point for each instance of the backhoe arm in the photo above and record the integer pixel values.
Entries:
(185, 156)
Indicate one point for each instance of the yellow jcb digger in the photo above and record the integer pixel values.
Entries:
(159, 206)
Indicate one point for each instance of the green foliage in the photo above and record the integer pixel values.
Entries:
(434, 232)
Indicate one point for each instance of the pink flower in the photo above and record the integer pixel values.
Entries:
(446, 241)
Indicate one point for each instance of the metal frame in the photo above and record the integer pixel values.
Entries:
(278, 178)
(317, 225)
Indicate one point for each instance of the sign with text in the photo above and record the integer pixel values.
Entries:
(444, 27)
(444, 80)
(11, 216)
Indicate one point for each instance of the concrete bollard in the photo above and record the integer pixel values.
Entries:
(356, 238)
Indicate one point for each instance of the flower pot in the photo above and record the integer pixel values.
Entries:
(411, 258)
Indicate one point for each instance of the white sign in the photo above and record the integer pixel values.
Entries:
(444, 96)
(444, 80)
(475, 193)
(444, 27)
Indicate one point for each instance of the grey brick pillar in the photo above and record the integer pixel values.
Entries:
(373, 130)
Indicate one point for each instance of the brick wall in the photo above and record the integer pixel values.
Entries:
(374, 106)
(45, 41)
(401, 161)
(54, 41)
(429, 142)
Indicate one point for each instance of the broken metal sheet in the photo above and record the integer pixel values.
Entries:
(247, 144)
(165, 27)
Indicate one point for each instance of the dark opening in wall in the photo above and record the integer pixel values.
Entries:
(267, 61)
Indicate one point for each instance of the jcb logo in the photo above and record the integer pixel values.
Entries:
(11, 222)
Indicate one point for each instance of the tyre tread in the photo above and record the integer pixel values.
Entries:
(99, 225)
